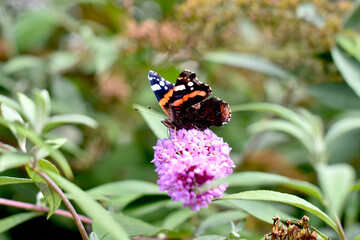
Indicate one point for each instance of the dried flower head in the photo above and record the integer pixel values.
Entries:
(189, 159)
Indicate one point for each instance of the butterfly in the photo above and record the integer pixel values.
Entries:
(186, 103)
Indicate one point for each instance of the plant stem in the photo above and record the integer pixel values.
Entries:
(33, 207)
(66, 202)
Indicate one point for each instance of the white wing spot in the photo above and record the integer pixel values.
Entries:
(155, 87)
(192, 88)
(162, 83)
(190, 84)
(166, 88)
(180, 88)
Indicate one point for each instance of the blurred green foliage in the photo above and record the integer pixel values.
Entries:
(93, 57)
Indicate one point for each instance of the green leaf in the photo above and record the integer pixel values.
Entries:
(153, 119)
(22, 62)
(50, 195)
(136, 227)
(349, 41)
(10, 102)
(353, 19)
(219, 219)
(286, 127)
(247, 179)
(62, 61)
(336, 182)
(340, 128)
(28, 108)
(13, 160)
(43, 107)
(211, 237)
(251, 62)
(277, 110)
(93, 236)
(133, 226)
(124, 187)
(176, 218)
(94, 210)
(55, 154)
(27, 36)
(272, 196)
(66, 119)
(261, 210)
(53, 143)
(4, 180)
(356, 186)
(348, 67)
(335, 95)
(14, 220)
(11, 115)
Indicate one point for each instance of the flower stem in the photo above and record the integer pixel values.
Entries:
(33, 207)
(66, 202)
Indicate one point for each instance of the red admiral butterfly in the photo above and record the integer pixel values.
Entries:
(186, 103)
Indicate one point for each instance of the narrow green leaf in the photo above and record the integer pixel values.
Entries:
(66, 119)
(219, 219)
(22, 62)
(13, 160)
(261, 210)
(93, 209)
(353, 19)
(50, 195)
(43, 107)
(278, 111)
(176, 218)
(136, 227)
(53, 144)
(125, 187)
(133, 227)
(286, 127)
(272, 196)
(340, 128)
(27, 36)
(153, 119)
(4, 180)
(55, 154)
(93, 236)
(336, 182)
(246, 179)
(251, 62)
(211, 237)
(14, 220)
(356, 186)
(62, 61)
(335, 95)
(11, 115)
(348, 67)
(28, 108)
(10, 102)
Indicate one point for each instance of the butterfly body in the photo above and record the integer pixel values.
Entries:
(187, 104)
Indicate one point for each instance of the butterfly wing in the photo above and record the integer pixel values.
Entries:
(163, 91)
(188, 91)
(207, 113)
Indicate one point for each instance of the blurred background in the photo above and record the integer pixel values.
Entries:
(93, 57)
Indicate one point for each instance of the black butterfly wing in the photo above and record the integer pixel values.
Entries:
(188, 91)
(208, 113)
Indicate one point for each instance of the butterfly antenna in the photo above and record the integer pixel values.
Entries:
(152, 113)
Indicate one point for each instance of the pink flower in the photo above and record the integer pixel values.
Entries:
(189, 159)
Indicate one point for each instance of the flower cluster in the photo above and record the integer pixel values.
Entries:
(189, 159)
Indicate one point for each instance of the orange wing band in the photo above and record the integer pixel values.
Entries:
(166, 98)
(178, 102)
